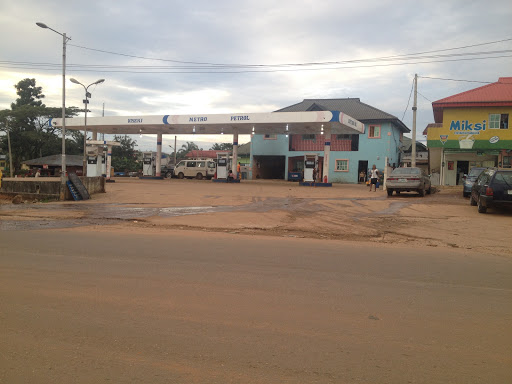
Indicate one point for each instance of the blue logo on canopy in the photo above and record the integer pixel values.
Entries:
(335, 116)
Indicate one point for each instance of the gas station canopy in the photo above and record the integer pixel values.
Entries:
(312, 122)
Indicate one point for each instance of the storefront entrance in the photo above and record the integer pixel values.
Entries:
(269, 167)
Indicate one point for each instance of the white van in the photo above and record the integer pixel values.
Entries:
(195, 168)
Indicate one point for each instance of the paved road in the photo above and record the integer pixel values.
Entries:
(96, 307)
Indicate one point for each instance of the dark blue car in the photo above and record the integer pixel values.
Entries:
(493, 188)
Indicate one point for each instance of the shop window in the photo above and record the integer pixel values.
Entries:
(374, 132)
(498, 121)
(308, 137)
(341, 165)
(269, 137)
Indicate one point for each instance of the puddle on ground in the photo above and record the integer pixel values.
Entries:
(104, 214)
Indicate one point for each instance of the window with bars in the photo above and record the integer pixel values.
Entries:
(341, 165)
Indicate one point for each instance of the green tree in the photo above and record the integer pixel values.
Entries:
(124, 156)
(27, 122)
(28, 94)
(186, 148)
(222, 147)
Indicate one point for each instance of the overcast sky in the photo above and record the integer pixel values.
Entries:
(261, 32)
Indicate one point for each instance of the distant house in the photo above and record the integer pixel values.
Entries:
(278, 156)
(53, 163)
(244, 154)
(421, 154)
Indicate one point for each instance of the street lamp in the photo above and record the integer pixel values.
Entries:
(64, 41)
(86, 101)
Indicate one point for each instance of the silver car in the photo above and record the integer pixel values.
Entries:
(407, 180)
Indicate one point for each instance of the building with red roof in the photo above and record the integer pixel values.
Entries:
(471, 129)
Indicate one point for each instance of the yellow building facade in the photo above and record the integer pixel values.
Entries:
(471, 130)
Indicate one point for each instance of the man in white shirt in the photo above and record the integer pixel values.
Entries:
(374, 176)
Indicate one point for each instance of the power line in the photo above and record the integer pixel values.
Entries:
(466, 81)
(83, 68)
(424, 96)
(287, 64)
(408, 101)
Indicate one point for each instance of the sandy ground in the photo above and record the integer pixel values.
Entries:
(81, 306)
(188, 281)
(277, 208)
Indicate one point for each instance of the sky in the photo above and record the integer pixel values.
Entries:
(169, 57)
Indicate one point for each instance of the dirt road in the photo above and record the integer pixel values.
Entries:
(277, 208)
(82, 306)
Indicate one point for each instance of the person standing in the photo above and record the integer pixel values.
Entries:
(238, 174)
(374, 176)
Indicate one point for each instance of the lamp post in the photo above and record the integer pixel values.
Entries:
(64, 42)
(86, 101)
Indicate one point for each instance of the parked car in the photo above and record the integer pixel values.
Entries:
(407, 180)
(470, 180)
(195, 168)
(493, 188)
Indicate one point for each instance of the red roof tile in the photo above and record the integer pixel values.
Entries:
(203, 154)
(495, 94)
(432, 125)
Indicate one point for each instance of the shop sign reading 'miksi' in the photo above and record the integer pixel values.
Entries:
(464, 127)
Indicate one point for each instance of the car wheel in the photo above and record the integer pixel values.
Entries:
(481, 208)
(181, 175)
(472, 201)
(168, 175)
(421, 191)
(199, 176)
(390, 192)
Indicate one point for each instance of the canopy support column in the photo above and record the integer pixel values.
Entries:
(235, 153)
(327, 152)
(158, 160)
(109, 161)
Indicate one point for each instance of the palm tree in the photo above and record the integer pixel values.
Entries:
(186, 148)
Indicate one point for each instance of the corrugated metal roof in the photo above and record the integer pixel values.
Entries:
(495, 94)
(212, 154)
(56, 161)
(407, 145)
(351, 106)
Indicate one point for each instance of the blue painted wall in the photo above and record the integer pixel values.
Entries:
(372, 150)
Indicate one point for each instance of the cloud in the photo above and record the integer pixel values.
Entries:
(247, 32)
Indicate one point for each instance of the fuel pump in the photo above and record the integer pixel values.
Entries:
(92, 161)
(148, 164)
(103, 167)
(222, 165)
(310, 167)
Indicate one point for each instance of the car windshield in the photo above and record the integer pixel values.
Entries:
(475, 172)
(406, 171)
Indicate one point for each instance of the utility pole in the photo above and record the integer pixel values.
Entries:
(414, 109)
(175, 138)
(10, 153)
